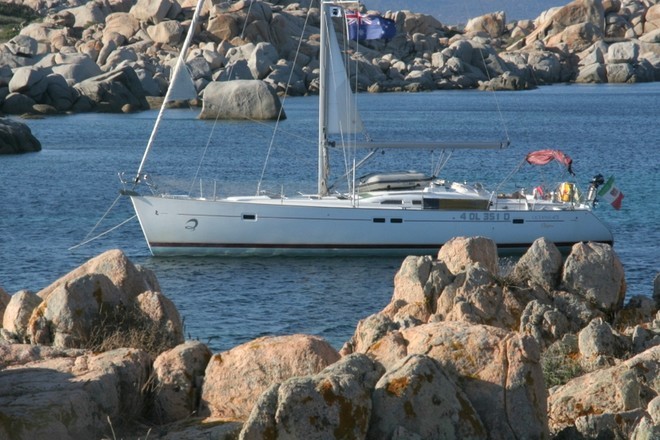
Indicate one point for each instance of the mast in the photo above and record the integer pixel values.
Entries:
(323, 170)
(179, 65)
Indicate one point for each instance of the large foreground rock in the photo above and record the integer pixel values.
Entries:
(178, 376)
(499, 371)
(241, 99)
(236, 378)
(16, 137)
(335, 403)
(126, 276)
(5, 298)
(541, 265)
(461, 252)
(17, 313)
(594, 271)
(608, 400)
(104, 297)
(72, 397)
(458, 286)
(417, 396)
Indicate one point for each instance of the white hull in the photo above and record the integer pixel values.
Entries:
(264, 226)
(391, 213)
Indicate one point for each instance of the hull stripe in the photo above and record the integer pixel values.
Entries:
(332, 246)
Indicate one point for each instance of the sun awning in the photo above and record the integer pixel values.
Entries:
(543, 157)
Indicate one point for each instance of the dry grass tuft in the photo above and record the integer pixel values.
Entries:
(128, 327)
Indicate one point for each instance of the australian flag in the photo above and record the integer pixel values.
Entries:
(369, 27)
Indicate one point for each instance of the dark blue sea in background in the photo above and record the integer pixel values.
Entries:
(51, 200)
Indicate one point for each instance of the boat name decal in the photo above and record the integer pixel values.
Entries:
(546, 217)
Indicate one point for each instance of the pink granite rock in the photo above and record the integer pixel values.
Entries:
(461, 252)
(235, 379)
(177, 386)
(499, 371)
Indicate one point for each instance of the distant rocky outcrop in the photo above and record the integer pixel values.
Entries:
(462, 350)
(241, 99)
(586, 41)
(16, 137)
(113, 92)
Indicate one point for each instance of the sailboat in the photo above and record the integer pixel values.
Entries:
(400, 213)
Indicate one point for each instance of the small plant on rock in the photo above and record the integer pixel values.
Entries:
(560, 363)
(13, 18)
(127, 326)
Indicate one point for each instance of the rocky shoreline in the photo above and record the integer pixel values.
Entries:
(109, 55)
(548, 350)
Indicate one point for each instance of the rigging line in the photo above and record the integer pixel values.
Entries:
(287, 132)
(442, 163)
(178, 66)
(242, 37)
(281, 131)
(217, 115)
(103, 233)
(483, 61)
(508, 177)
(355, 167)
(246, 19)
(443, 158)
(286, 92)
(201, 160)
(230, 70)
(494, 94)
(112, 205)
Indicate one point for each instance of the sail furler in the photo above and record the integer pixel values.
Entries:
(182, 87)
(176, 76)
(341, 112)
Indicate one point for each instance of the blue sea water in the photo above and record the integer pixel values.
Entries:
(51, 200)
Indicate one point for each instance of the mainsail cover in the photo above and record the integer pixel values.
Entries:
(342, 114)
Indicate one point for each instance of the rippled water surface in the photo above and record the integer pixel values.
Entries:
(52, 199)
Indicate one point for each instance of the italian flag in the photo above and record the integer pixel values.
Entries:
(611, 194)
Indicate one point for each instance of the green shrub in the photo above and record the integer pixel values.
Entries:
(560, 364)
(12, 19)
(18, 11)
